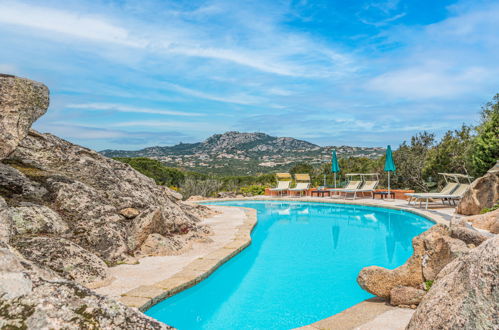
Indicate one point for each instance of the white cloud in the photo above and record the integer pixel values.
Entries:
(64, 22)
(242, 98)
(126, 108)
(429, 81)
(278, 53)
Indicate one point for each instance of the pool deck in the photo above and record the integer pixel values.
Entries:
(156, 278)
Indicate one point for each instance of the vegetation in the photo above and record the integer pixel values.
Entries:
(490, 209)
(163, 175)
(467, 150)
(485, 146)
(428, 284)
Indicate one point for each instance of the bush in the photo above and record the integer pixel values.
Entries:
(205, 188)
(154, 169)
(253, 190)
(485, 148)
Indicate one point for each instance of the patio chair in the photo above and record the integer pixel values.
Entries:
(283, 183)
(352, 184)
(449, 188)
(302, 183)
(368, 186)
(457, 194)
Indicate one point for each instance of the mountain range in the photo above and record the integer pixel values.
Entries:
(244, 153)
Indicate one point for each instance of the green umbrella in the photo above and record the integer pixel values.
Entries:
(389, 165)
(335, 167)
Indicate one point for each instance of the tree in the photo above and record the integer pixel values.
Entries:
(485, 148)
(450, 155)
(302, 168)
(410, 160)
(154, 169)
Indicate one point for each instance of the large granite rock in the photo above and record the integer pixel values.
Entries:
(488, 221)
(406, 296)
(483, 193)
(33, 298)
(37, 219)
(433, 250)
(62, 256)
(5, 222)
(69, 212)
(90, 192)
(465, 294)
(22, 101)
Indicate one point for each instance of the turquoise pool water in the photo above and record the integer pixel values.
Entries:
(300, 268)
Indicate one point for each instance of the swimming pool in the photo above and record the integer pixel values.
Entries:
(301, 266)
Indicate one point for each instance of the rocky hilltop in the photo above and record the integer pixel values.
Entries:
(66, 214)
(245, 153)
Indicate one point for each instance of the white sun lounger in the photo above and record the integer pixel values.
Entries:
(455, 195)
(351, 185)
(368, 186)
(447, 190)
(302, 186)
(282, 186)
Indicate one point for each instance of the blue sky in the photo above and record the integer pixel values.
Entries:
(131, 74)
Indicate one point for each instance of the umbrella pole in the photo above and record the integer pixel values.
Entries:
(324, 180)
(335, 179)
(388, 185)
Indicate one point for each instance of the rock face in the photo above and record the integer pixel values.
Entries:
(33, 298)
(433, 249)
(22, 101)
(109, 208)
(406, 296)
(488, 221)
(465, 294)
(64, 257)
(66, 214)
(483, 193)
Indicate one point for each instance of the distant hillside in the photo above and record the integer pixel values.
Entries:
(244, 153)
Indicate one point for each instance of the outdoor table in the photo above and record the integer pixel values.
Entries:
(320, 193)
(383, 194)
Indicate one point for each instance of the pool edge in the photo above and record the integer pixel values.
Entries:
(145, 296)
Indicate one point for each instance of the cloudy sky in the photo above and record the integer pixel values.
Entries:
(130, 74)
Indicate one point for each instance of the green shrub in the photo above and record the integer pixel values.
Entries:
(253, 190)
(154, 169)
(490, 209)
(427, 285)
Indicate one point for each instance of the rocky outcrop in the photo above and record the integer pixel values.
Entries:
(109, 207)
(66, 214)
(483, 193)
(488, 221)
(433, 250)
(37, 219)
(22, 101)
(62, 256)
(465, 294)
(406, 296)
(34, 298)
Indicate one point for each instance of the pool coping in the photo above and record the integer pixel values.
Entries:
(145, 296)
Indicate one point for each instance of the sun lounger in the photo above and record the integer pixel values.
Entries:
(351, 185)
(455, 195)
(283, 183)
(368, 186)
(447, 190)
(302, 183)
